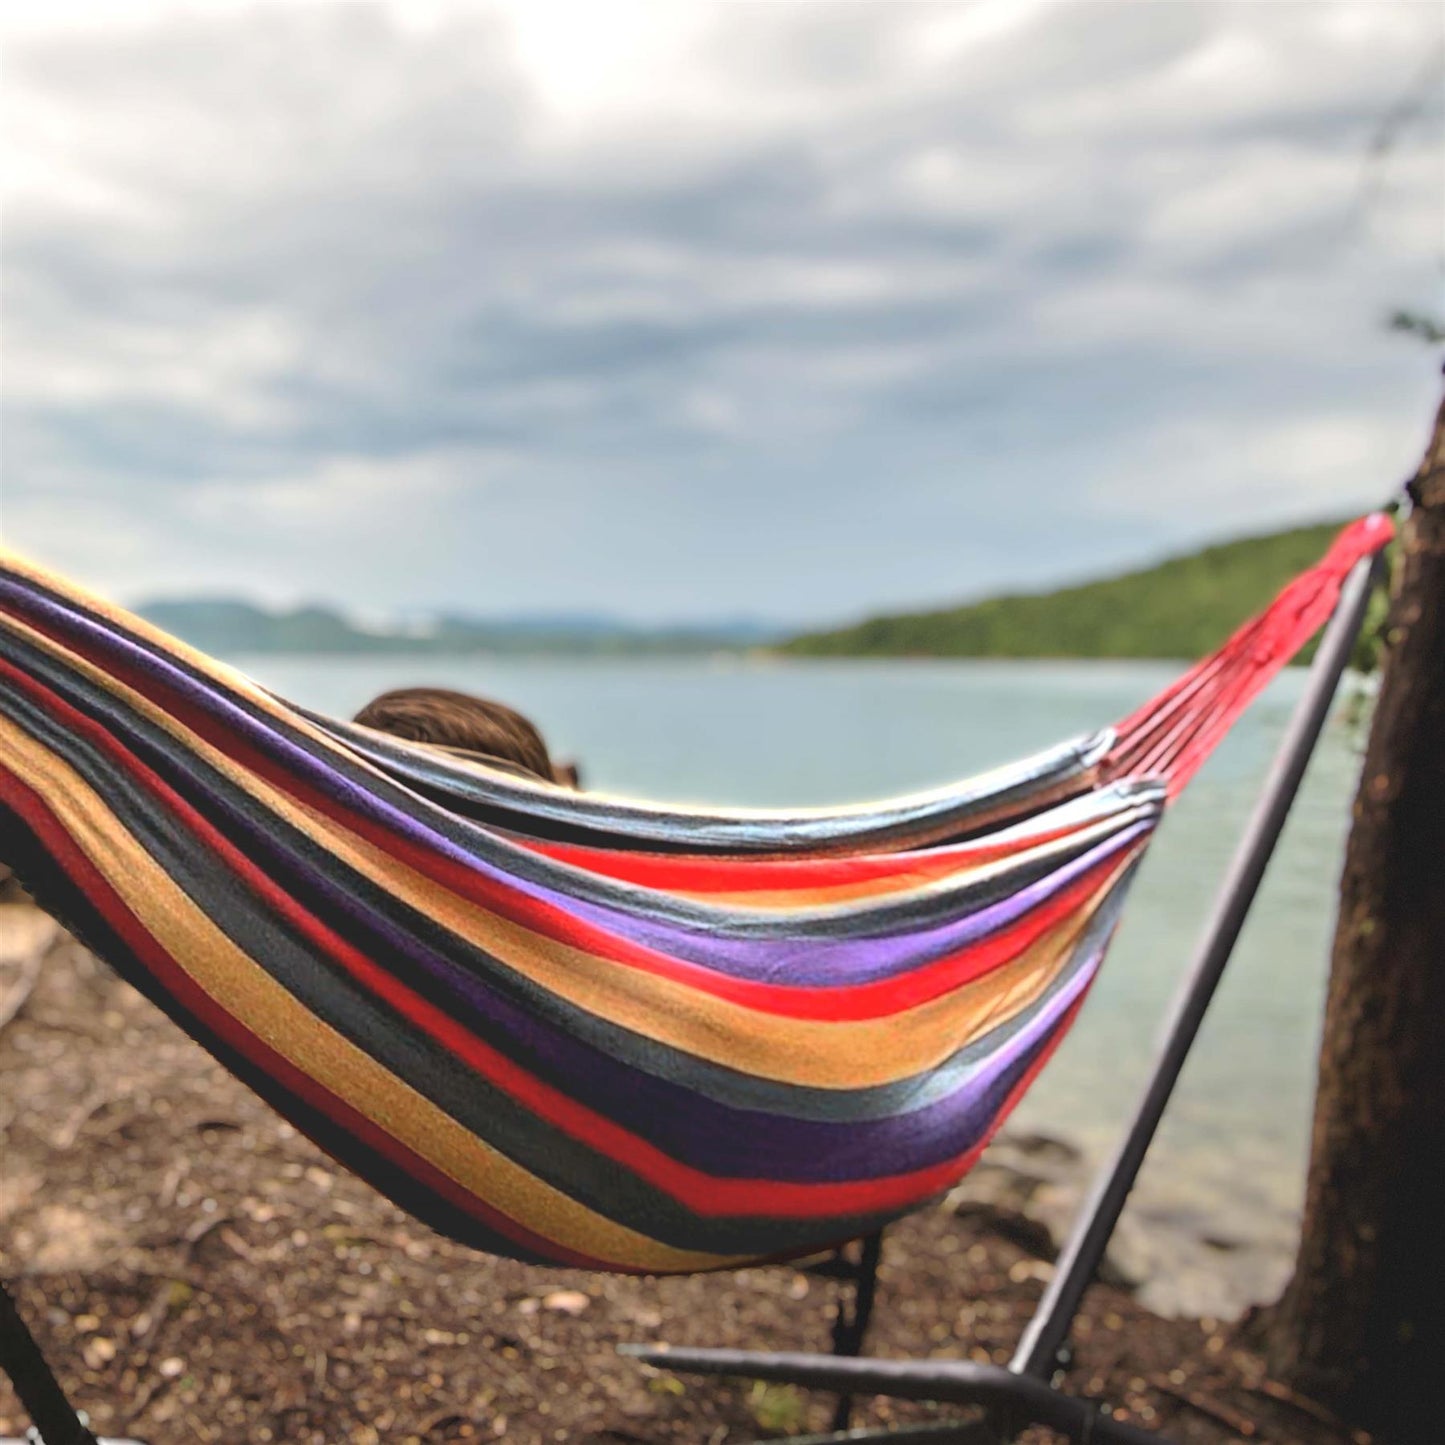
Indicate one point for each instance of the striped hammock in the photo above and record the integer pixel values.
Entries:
(570, 1028)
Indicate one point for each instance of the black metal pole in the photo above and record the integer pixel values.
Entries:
(1022, 1391)
(1002, 1392)
(35, 1384)
(851, 1326)
(1038, 1350)
(933, 1432)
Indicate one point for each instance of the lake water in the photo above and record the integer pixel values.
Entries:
(761, 732)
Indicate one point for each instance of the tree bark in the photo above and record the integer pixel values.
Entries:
(1361, 1327)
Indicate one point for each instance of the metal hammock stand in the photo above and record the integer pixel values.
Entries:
(1025, 1391)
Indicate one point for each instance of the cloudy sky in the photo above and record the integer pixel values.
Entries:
(677, 310)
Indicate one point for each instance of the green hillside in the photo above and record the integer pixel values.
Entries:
(1182, 608)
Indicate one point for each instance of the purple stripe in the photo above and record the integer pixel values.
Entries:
(746, 1143)
(710, 1135)
(842, 962)
(743, 1143)
(707, 1134)
(753, 959)
(296, 758)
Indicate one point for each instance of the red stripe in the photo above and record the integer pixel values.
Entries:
(855, 1003)
(1173, 733)
(178, 985)
(848, 1003)
(685, 873)
(706, 1194)
(845, 1004)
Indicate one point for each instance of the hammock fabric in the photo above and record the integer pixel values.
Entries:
(574, 1029)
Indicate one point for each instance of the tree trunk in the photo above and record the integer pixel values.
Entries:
(1361, 1327)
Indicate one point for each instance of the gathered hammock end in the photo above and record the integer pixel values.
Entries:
(574, 1029)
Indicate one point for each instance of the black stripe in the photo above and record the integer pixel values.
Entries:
(865, 920)
(315, 876)
(593, 1179)
(53, 889)
(528, 810)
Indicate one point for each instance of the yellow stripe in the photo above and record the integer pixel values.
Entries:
(907, 882)
(890, 886)
(804, 1052)
(258, 697)
(848, 1054)
(247, 993)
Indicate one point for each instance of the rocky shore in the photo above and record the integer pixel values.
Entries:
(1177, 1256)
(198, 1272)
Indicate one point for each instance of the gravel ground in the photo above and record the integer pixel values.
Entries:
(198, 1272)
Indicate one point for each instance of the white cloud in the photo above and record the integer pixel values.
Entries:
(355, 493)
(1261, 472)
(226, 367)
(702, 279)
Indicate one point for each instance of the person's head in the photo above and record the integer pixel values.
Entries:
(442, 717)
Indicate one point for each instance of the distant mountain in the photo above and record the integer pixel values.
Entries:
(230, 627)
(1181, 608)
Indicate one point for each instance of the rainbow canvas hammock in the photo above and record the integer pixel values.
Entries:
(570, 1028)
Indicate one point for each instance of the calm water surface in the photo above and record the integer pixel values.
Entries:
(1234, 1143)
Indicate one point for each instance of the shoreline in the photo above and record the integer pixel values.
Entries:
(1169, 1251)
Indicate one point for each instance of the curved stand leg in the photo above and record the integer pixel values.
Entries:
(35, 1383)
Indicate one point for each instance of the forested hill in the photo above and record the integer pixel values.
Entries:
(1182, 608)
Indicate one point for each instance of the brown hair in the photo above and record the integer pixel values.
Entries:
(457, 720)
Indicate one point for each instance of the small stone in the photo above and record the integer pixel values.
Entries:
(99, 1351)
(566, 1301)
